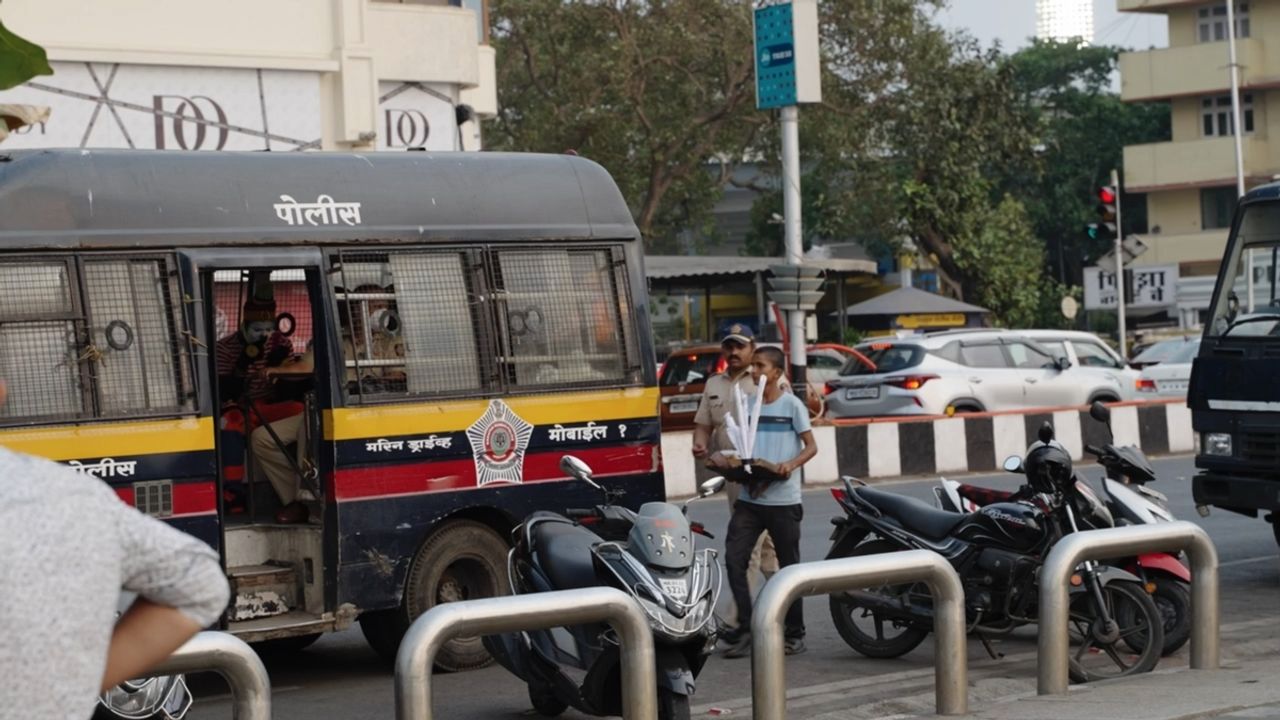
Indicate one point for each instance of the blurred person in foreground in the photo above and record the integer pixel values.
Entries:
(68, 547)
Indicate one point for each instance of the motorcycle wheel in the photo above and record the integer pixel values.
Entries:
(845, 614)
(545, 702)
(672, 706)
(1136, 614)
(1173, 599)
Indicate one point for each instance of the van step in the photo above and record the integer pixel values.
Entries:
(262, 591)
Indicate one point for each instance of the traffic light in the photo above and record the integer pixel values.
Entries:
(1107, 198)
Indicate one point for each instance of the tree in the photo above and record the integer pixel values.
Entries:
(652, 90)
(1083, 127)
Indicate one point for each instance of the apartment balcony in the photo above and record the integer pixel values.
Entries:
(424, 43)
(1199, 69)
(1198, 163)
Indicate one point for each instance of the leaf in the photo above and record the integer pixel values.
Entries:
(20, 60)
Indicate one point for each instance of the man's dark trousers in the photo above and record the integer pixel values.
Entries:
(745, 525)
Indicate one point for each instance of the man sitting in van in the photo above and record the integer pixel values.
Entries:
(371, 351)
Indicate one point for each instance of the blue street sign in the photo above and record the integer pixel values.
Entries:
(775, 57)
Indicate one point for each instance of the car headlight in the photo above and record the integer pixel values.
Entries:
(1217, 444)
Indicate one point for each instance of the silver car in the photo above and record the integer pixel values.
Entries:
(965, 371)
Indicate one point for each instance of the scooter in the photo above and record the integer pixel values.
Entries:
(1129, 502)
(155, 698)
(648, 554)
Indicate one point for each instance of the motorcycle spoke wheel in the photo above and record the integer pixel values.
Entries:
(1138, 623)
(872, 633)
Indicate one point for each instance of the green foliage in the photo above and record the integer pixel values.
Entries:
(20, 60)
(652, 90)
(1082, 128)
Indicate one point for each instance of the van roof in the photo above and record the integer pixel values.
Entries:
(154, 198)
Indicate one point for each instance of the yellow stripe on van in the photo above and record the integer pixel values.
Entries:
(141, 437)
(454, 415)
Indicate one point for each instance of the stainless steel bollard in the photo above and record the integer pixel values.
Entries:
(529, 612)
(768, 675)
(1055, 576)
(233, 659)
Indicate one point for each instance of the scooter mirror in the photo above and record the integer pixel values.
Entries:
(1100, 412)
(575, 468)
(1046, 433)
(711, 487)
(1013, 464)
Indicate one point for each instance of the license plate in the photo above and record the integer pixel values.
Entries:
(684, 407)
(1172, 385)
(677, 589)
(862, 393)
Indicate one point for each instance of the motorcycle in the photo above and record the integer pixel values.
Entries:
(155, 698)
(648, 554)
(997, 552)
(1129, 502)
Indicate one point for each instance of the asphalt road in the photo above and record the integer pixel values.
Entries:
(340, 677)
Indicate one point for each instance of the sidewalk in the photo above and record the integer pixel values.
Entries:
(1242, 688)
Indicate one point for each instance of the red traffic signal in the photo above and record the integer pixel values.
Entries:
(1107, 195)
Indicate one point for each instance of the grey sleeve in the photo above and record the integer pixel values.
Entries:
(170, 567)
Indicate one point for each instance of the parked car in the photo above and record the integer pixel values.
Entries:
(967, 371)
(1087, 350)
(1172, 376)
(685, 372)
(1159, 352)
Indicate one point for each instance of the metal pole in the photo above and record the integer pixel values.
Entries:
(1055, 579)
(768, 676)
(840, 306)
(794, 245)
(1115, 183)
(234, 660)
(762, 308)
(1237, 132)
(528, 612)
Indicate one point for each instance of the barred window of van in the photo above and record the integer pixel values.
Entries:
(39, 329)
(563, 317)
(135, 353)
(409, 324)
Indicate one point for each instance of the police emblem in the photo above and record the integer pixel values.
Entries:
(499, 440)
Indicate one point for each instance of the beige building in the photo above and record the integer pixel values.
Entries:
(252, 75)
(1190, 181)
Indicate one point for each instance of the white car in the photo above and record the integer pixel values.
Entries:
(1171, 377)
(1087, 350)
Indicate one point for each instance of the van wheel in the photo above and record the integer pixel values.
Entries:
(464, 560)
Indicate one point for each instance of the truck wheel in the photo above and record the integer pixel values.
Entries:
(464, 560)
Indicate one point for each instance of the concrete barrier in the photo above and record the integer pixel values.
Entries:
(894, 447)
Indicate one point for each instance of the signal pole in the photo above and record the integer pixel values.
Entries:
(1115, 185)
(1237, 130)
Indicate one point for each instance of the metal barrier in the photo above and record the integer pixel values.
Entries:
(529, 612)
(768, 676)
(234, 660)
(1055, 577)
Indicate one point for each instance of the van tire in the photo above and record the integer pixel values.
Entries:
(464, 560)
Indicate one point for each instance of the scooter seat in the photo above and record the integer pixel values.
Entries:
(563, 551)
(913, 514)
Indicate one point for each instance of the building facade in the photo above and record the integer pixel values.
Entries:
(248, 75)
(1190, 181)
(1064, 20)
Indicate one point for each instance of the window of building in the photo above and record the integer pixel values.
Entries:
(1216, 207)
(987, 356)
(1211, 22)
(92, 337)
(1215, 115)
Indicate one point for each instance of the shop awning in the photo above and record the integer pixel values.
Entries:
(670, 267)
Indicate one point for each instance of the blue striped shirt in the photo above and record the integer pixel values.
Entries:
(782, 422)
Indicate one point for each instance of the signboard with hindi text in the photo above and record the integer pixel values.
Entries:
(786, 52)
(1146, 286)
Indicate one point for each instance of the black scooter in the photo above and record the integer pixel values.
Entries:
(649, 555)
